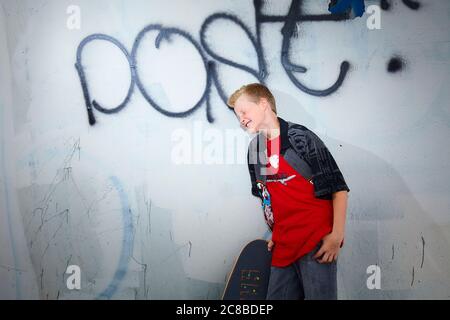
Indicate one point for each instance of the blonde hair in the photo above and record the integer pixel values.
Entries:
(255, 91)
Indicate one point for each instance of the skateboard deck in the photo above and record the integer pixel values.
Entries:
(249, 277)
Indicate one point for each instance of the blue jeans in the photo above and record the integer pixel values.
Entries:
(304, 279)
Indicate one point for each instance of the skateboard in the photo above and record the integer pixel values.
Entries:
(249, 277)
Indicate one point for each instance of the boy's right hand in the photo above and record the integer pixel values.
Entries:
(270, 245)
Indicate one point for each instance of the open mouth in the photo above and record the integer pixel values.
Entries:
(246, 125)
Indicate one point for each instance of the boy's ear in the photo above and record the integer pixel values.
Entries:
(263, 102)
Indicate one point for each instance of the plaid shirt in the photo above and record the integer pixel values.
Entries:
(305, 152)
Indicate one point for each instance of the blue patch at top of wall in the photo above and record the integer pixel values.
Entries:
(341, 6)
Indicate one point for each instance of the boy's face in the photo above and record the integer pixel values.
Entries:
(250, 114)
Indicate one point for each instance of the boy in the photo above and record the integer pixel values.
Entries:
(303, 193)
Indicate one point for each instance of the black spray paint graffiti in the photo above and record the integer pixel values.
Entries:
(397, 63)
(413, 5)
(291, 21)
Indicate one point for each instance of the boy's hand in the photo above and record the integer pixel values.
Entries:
(270, 245)
(330, 248)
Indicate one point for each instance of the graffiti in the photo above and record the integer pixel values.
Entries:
(289, 30)
(292, 22)
(395, 64)
(127, 243)
(82, 76)
(165, 34)
(413, 5)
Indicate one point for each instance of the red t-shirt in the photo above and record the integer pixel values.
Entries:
(300, 219)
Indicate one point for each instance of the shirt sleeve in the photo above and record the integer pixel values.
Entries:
(326, 175)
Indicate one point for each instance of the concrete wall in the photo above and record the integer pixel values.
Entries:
(109, 196)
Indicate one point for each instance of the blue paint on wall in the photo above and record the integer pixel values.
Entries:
(342, 5)
(127, 243)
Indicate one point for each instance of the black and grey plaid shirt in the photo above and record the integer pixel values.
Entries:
(305, 152)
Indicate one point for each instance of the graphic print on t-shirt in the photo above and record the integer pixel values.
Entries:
(266, 203)
(283, 178)
(274, 160)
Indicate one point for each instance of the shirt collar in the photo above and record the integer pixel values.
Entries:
(284, 138)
